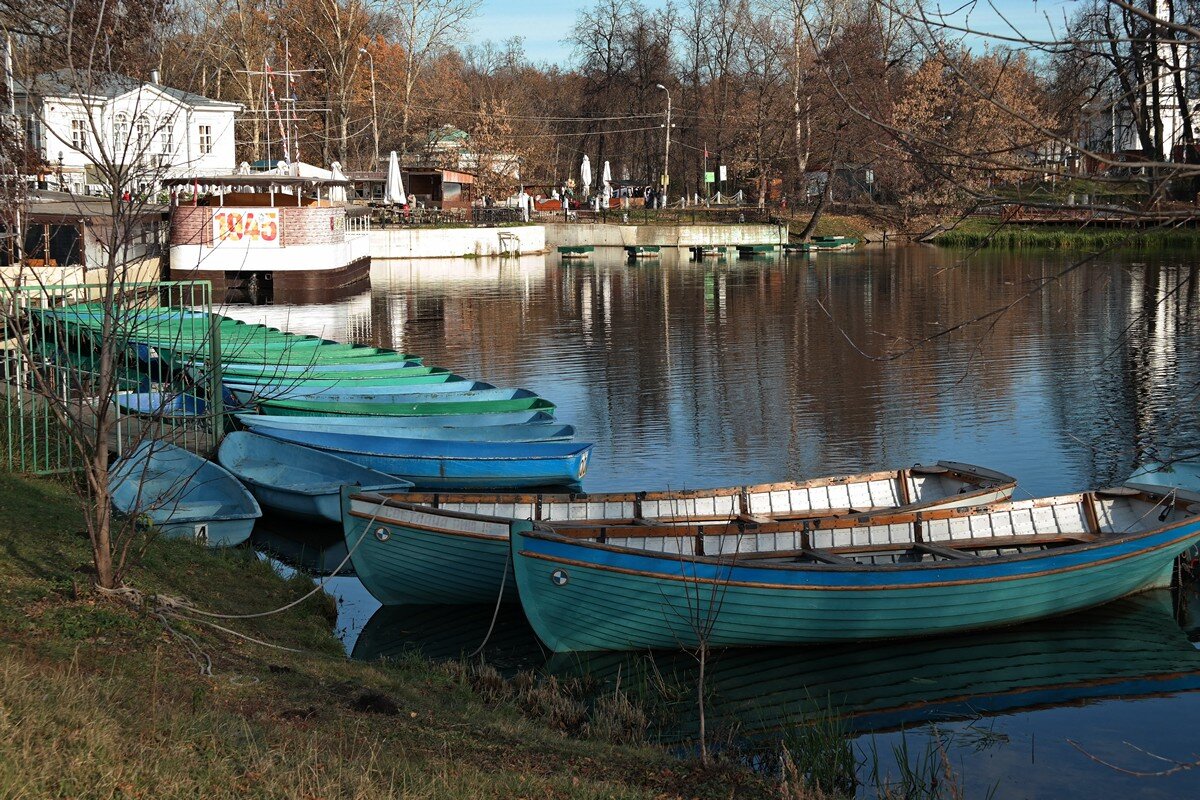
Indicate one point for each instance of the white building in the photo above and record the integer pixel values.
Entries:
(72, 120)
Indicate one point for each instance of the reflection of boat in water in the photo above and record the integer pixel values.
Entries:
(1129, 648)
(441, 632)
(316, 554)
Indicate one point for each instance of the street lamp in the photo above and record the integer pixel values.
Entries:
(374, 107)
(666, 178)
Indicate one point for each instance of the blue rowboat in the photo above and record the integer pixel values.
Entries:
(299, 390)
(456, 421)
(529, 432)
(434, 549)
(161, 404)
(434, 464)
(1178, 475)
(183, 495)
(294, 480)
(848, 579)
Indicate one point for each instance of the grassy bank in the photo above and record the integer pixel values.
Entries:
(98, 699)
(988, 233)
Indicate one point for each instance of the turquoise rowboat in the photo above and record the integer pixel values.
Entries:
(393, 392)
(890, 576)
(453, 547)
(320, 408)
(529, 432)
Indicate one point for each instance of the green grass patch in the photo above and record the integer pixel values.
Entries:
(976, 233)
(99, 700)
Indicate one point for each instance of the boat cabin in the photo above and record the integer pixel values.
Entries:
(268, 237)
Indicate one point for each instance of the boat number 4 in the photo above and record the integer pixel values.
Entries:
(559, 577)
(202, 534)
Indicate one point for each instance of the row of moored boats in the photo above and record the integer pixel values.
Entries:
(436, 493)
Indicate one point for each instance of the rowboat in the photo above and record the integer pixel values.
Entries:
(1177, 475)
(453, 548)
(161, 404)
(297, 481)
(183, 495)
(432, 463)
(529, 432)
(288, 356)
(436, 421)
(424, 376)
(848, 579)
(349, 370)
(1132, 647)
(389, 393)
(519, 402)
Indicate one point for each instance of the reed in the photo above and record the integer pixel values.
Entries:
(975, 234)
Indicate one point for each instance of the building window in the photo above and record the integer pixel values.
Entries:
(79, 135)
(142, 128)
(120, 132)
(166, 137)
(205, 139)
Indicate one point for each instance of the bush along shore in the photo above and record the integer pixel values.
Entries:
(991, 233)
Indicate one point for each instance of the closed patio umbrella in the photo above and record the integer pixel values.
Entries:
(337, 194)
(585, 176)
(393, 191)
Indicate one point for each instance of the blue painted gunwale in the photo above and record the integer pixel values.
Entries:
(458, 421)
(251, 458)
(806, 603)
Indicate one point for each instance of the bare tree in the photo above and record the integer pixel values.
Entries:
(424, 28)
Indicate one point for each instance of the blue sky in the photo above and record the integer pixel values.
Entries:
(544, 24)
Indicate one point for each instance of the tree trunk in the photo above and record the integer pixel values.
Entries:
(826, 194)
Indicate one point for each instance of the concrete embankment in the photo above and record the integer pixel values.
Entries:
(560, 234)
(456, 242)
(530, 239)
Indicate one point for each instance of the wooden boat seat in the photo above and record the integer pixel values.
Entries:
(756, 519)
(944, 552)
(988, 543)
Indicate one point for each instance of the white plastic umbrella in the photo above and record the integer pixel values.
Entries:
(393, 190)
(606, 175)
(585, 176)
(337, 194)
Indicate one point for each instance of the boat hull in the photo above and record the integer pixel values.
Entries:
(434, 464)
(579, 596)
(399, 559)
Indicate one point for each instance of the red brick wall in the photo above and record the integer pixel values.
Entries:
(313, 225)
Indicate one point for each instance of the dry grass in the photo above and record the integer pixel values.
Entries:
(98, 701)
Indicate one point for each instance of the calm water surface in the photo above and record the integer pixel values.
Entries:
(691, 375)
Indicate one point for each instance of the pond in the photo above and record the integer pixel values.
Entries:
(1057, 369)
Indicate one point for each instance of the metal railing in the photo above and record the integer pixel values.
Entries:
(163, 364)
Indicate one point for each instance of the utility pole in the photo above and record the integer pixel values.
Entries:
(666, 177)
(374, 107)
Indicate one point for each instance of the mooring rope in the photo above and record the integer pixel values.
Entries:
(499, 600)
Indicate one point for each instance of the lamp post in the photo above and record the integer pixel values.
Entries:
(374, 106)
(666, 179)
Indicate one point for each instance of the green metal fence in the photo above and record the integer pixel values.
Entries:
(161, 344)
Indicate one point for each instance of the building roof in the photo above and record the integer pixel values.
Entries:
(69, 83)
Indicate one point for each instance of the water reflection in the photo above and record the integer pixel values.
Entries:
(696, 374)
(740, 371)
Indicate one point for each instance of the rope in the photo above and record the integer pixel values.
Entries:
(166, 608)
(496, 610)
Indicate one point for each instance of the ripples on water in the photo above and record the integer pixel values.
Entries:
(691, 375)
